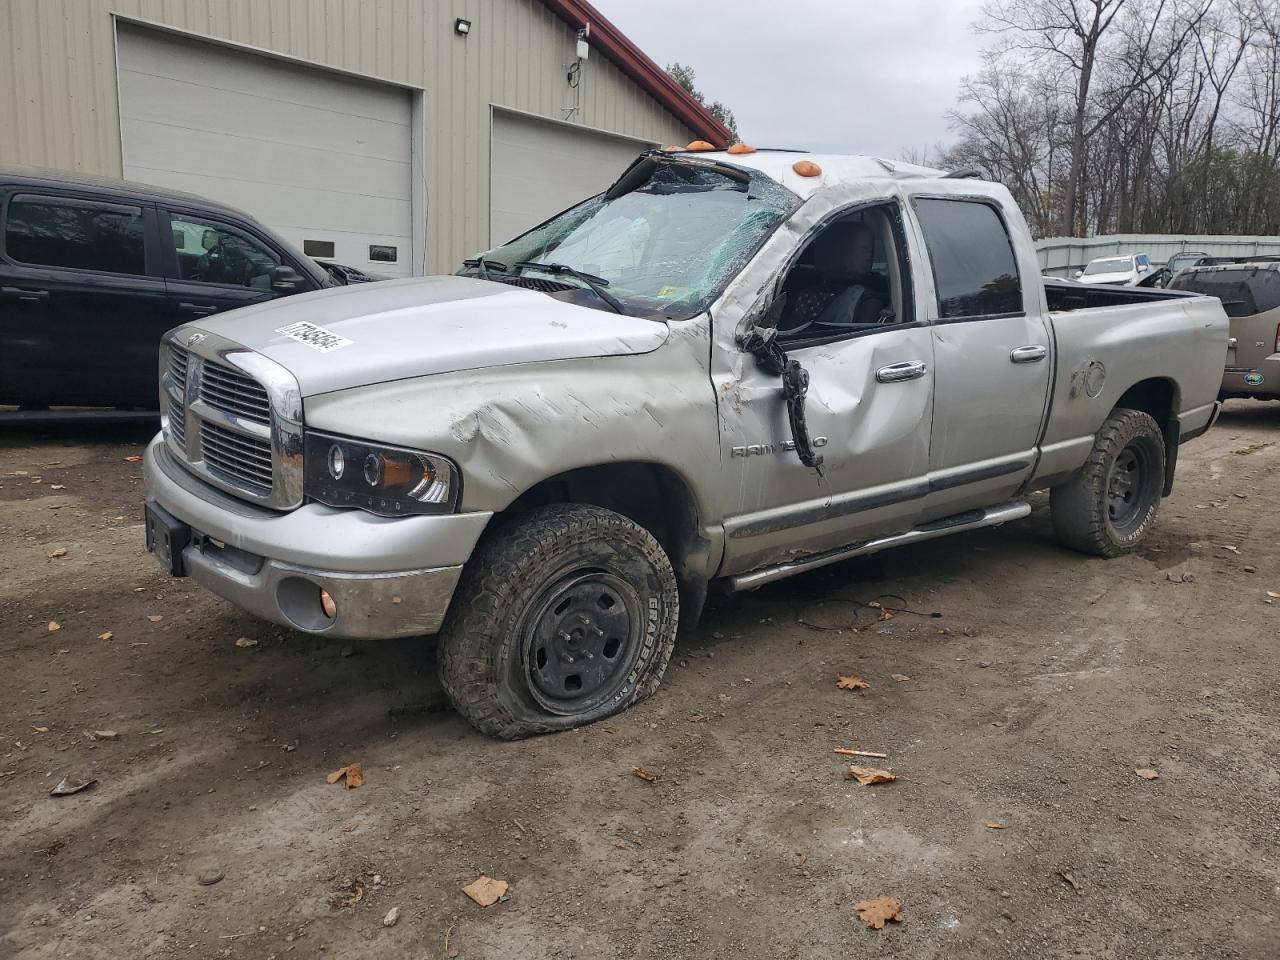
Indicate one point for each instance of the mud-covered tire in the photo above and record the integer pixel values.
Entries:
(549, 593)
(1110, 504)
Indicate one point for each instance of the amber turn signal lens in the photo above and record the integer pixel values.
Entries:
(327, 605)
(739, 148)
(806, 168)
(699, 145)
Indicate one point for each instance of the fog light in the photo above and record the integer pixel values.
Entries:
(337, 462)
(327, 605)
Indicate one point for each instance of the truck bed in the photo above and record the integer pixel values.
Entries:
(1064, 296)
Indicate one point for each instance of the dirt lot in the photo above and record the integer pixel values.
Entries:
(1039, 681)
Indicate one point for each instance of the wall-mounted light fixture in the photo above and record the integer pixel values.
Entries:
(461, 27)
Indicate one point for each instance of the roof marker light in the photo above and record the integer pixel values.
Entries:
(739, 148)
(699, 146)
(806, 168)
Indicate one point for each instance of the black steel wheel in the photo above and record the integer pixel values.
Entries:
(565, 616)
(581, 641)
(1108, 507)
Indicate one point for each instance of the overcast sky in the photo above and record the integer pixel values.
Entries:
(841, 76)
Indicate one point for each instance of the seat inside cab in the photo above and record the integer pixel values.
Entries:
(847, 280)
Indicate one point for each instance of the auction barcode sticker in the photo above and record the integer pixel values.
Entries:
(315, 337)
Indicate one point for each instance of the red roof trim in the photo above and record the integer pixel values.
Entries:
(610, 41)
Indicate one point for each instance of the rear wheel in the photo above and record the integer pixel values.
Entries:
(564, 617)
(1109, 505)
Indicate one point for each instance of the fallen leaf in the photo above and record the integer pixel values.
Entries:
(156, 732)
(354, 773)
(852, 683)
(58, 552)
(1273, 595)
(886, 614)
(649, 776)
(354, 896)
(995, 825)
(103, 735)
(900, 677)
(40, 729)
(106, 635)
(1146, 773)
(155, 617)
(132, 458)
(1226, 546)
(486, 891)
(246, 642)
(875, 913)
(869, 775)
(69, 785)
(54, 626)
(58, 486)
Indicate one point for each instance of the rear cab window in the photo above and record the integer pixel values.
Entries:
(75, 234)
(1244, 290)
(975, 273)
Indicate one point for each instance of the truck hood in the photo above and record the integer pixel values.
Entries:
(1117, 279)
(398, 329)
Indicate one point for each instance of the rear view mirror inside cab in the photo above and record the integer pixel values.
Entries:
(850, 278)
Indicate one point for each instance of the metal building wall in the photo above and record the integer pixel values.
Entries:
(1063, 256)
(59, 107)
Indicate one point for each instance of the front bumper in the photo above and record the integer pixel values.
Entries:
(388, 576)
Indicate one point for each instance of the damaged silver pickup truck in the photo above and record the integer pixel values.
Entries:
(726, 369)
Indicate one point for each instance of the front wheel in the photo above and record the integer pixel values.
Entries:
(1109, 505)
(566, 616)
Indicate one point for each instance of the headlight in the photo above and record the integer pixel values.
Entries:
(390, 481)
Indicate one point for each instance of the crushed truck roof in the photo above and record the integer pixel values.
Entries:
(836, 168)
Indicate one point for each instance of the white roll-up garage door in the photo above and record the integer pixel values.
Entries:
(539, 167)
(315, 155)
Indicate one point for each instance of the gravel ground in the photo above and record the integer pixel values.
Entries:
(1040, 681)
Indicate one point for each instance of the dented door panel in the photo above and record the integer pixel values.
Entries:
(873, 436)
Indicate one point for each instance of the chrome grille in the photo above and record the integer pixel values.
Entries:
(233, 417)
(177, 422)
(232, 392)
(178, 360)
(236, 458)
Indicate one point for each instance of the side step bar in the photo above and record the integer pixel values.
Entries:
(971, 520)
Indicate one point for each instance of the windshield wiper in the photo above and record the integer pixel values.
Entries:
(482, 266)
(597, 284)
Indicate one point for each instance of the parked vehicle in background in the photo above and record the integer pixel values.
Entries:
(342, 275)
(1250, 295)
(728, 368)
(1188, 258)
(1119, 271)
(93, 271)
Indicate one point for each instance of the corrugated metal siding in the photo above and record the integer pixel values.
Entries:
(1063, 256)
(58, 103)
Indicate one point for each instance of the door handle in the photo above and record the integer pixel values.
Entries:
(897, 372)
(197, 309)
(24, 296)
(1028, 354)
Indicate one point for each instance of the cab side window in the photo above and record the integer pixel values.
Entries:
(974, 271)
(215, 253)
(76, 234)
(850, 279)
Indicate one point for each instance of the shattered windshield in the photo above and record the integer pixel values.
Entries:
(665, 240)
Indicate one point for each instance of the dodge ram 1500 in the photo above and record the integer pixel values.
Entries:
(726, 369)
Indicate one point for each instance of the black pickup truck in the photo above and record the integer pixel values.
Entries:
(93, 271)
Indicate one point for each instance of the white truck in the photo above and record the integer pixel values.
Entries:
(728, 368)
